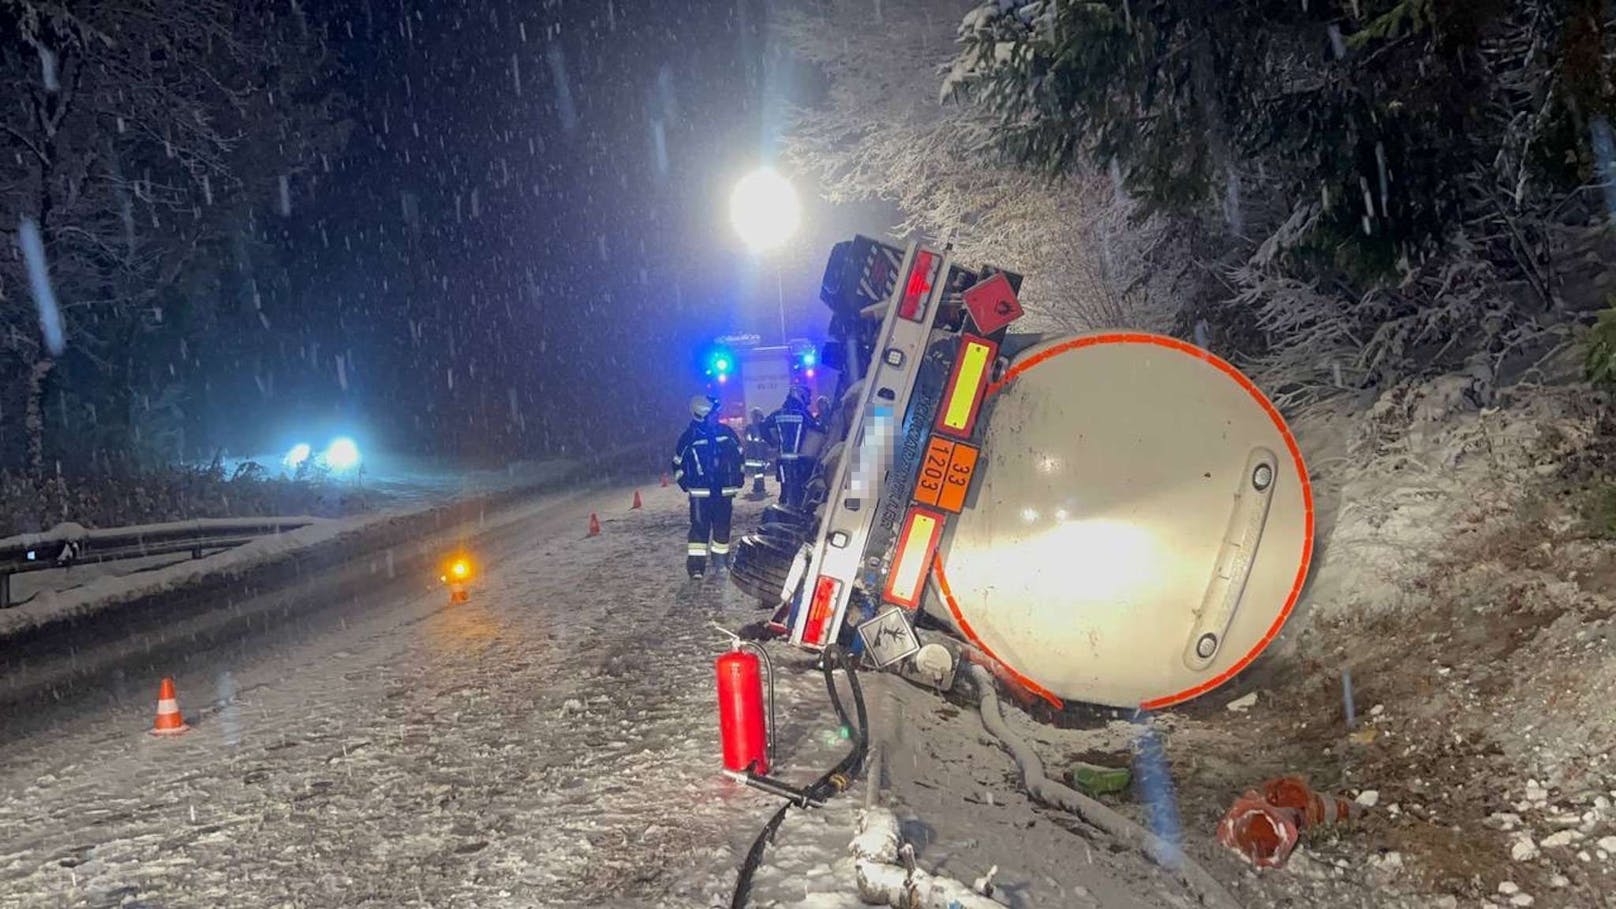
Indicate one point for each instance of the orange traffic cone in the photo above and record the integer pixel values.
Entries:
(664, 479)
(636, 500)
(169, 721)
(1315, 809)
(594, 525)
(1263, 834)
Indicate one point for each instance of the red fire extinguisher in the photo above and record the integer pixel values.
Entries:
(742, 727)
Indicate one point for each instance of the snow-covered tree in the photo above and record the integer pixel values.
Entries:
(135, 136)
(882, 132)
(1396, 178)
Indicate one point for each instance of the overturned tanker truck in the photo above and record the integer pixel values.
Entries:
(1116, 518)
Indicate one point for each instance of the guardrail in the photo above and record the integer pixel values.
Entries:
(71, 544)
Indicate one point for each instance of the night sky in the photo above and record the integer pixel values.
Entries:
(524, 243)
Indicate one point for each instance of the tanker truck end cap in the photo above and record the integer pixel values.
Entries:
(1116, 517)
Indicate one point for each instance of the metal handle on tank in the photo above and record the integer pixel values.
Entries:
(1241, 537)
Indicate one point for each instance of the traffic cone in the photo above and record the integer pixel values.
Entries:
(169, 721)
(1263, 834)
(636, 500)
(1314, 809)
(664, 479)
(594, 525)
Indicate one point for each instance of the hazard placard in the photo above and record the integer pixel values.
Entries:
(992, 304)
(945, 474)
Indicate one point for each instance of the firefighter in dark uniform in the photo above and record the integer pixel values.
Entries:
(757, 450)
(707, 466)
(788, 430)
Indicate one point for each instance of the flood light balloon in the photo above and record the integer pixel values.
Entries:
(764, 209)
(298, 456)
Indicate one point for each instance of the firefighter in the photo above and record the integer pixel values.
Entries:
(788, 430)
(707, 466)
(757, 450)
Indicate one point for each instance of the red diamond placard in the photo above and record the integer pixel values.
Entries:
(992, 304)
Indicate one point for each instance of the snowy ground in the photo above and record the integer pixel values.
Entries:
(550, 742)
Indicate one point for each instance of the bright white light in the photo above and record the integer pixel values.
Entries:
(1102, 563)
(764, 210)
(297, 456)
(341, 454)
(1029, 515)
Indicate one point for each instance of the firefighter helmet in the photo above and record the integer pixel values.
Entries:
(800, 392)
(702, 405)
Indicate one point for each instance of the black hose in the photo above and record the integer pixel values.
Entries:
(832, 781)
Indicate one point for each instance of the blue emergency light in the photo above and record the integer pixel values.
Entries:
(720, 363)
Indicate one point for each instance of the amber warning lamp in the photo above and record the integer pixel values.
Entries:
(457, 576)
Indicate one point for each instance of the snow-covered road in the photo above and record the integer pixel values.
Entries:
(549, 742)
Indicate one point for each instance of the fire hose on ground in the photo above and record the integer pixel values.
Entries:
(1205, 887)
(830, 783)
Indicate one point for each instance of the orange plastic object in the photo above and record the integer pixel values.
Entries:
(1313, 808)
(1262, 833)
(169, 721)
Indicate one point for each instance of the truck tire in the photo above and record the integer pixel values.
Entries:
(761, 564)
(791, 533)
(785, 514)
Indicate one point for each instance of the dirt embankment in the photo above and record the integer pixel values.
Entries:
(1466, 585)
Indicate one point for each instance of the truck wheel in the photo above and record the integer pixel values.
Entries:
(761, 565)
(792, 533)
(785, 514)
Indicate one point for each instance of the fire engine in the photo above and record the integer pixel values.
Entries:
(1115, 517)
(743, 374)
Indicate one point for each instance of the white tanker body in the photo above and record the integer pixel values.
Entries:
(1116, 518)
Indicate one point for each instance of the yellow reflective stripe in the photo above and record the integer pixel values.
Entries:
(720, 548)
(960, 398)
(697, 549)
(906, 576)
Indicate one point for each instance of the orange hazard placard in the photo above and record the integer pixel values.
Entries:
(945, 474)
(957, 482)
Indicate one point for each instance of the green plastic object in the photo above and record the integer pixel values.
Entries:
(1093, 779)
